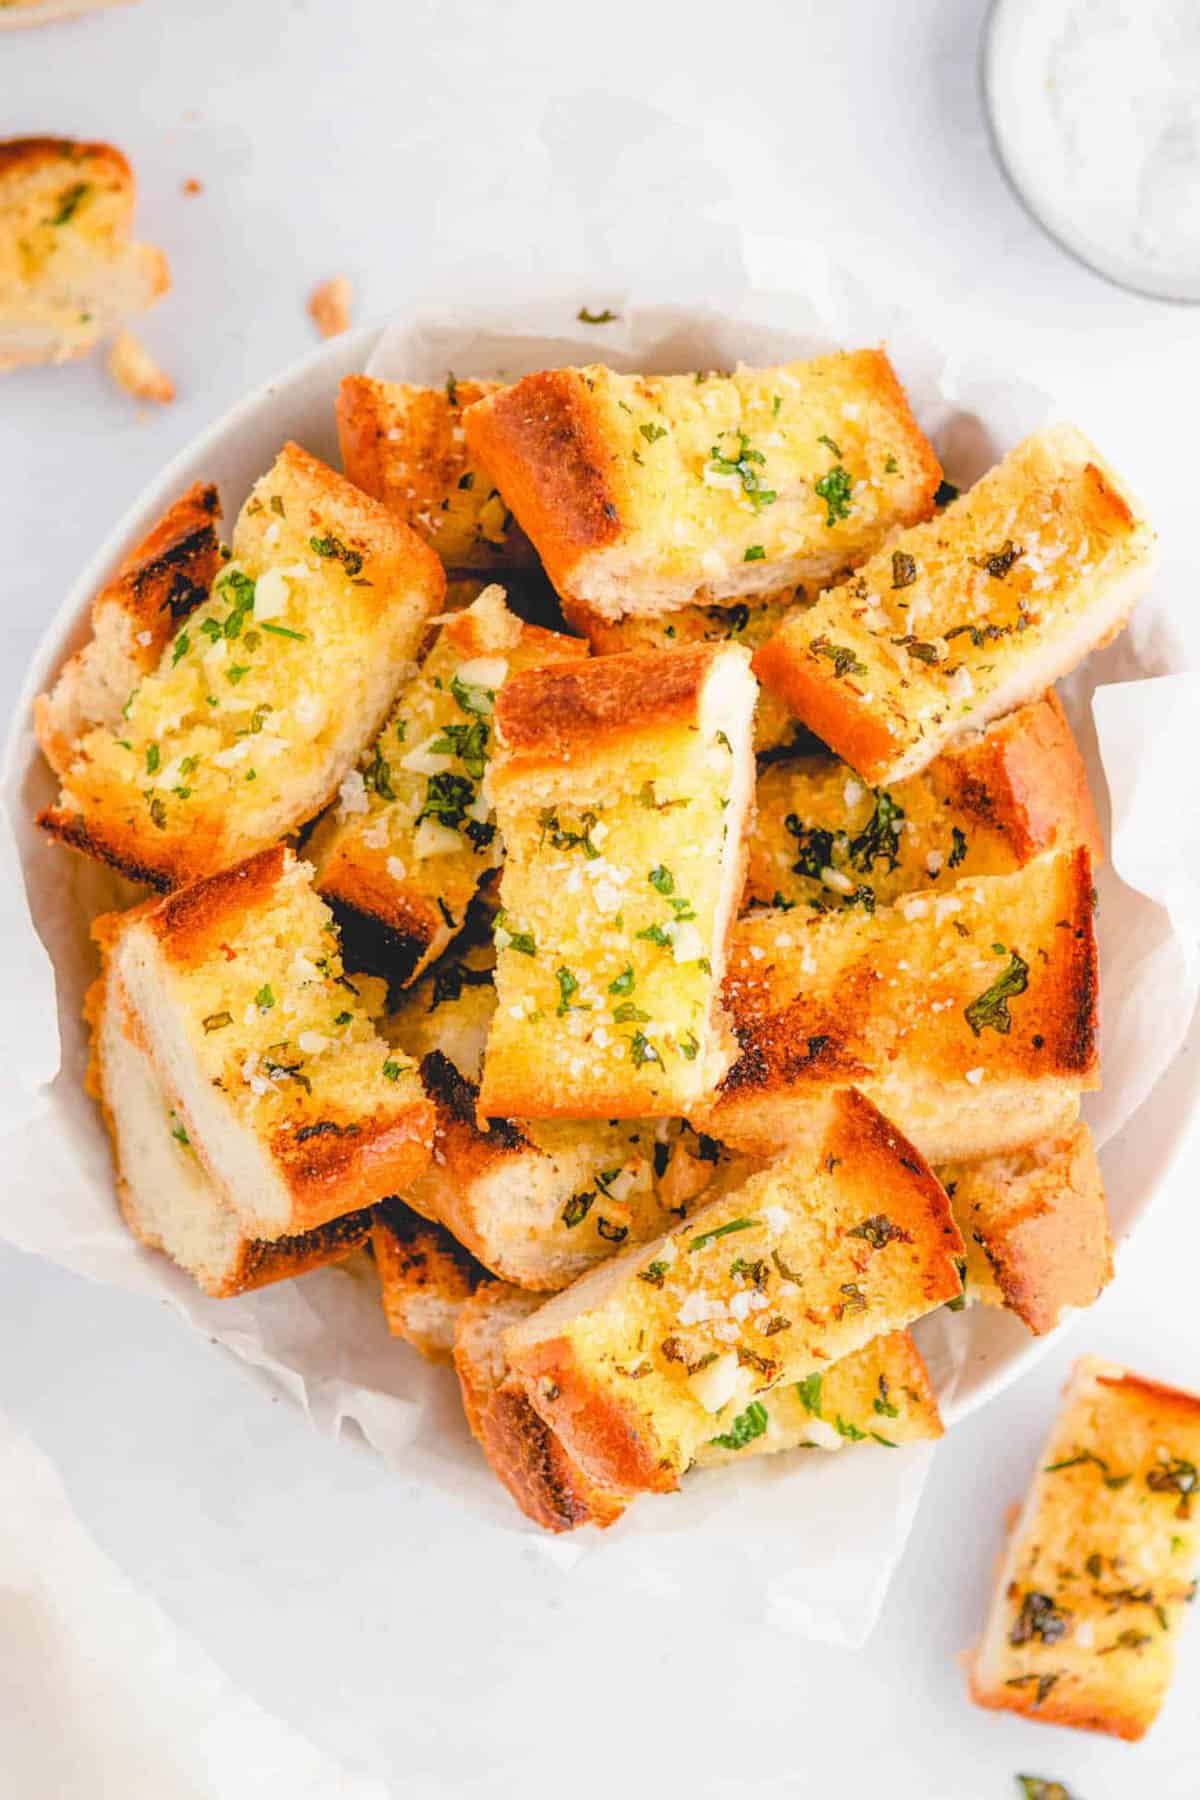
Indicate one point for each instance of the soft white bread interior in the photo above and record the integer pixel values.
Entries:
(69, 274)
(644, 493)
(296, 1108)
(133, 618)
(166, 1198)
(1092, 1594)
(622, 789)
(412, 836)
(969, 1017)
(845, 1237)
(1035, 1223)
(971, 615)
(265, 694)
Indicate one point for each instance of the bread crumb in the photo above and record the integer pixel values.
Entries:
(192, 186)
(329, 306)
(132, 366)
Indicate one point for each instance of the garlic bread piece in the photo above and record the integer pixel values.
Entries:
(523, 1451)
(642, 493)
(964, 618)
(880, 1393)
(267, 692)
(165, 1195)
(406, 447)
(823, 838)
(748, 622)
(134, 617)
(621, 789)
(69, 274)
(969, 1017)
(536, 1201)
(425, 1278)
(412, 835)
(1035, 1222)
(1094, 1587)
(298, 1111)
(845, 1237)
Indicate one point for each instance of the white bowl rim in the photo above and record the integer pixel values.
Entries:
(1176, 1095)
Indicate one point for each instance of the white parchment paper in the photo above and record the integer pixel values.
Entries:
(814, 1537)
(100, 1696)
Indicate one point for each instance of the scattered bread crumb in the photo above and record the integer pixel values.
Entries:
(130, 364)
(329, 306)
(192, 186)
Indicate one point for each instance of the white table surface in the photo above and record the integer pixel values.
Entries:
(420, 148)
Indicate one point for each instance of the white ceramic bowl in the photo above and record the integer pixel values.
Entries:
(300, 404)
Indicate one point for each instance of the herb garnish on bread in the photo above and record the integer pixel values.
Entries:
(69, 274)
(266, 692)
(644, 492)
(621, 789)
(1095, 1584)
(166, 1197)
(297, 1109)
(845, 1237)
(413, 835)
(969, 1017)
(986, 806)
(971, 615)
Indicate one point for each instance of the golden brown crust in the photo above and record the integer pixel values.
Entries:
(1094, 1588)
(796, 1032)
(192, 923)
(542, 443)
(613, 1444)
(35, 152)
(1036, 1225)
(154, 588)
(329, 1166)
(425, 1277)
(1025, 777)
(547, 716)
(863, 738)
(523, 1451)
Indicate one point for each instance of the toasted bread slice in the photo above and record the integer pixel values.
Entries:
(747, 622)
(538, 1202)
(69, 275)
(969, 1017)
(296, 1109)
(425, 1278)
(1094, 1588)
(967, 617)
(412, 836)
(643, 1361)
(622, 791)
(406, 446)
(822, 838)
(644, 493)
(523, 1451)
(264, 697)
(881, 1392)
(1036, 1227)
(165, 1196)
(134, 617)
